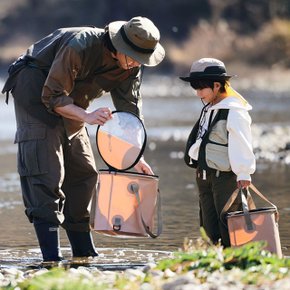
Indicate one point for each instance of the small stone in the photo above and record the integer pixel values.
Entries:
(147, 286)
(180, 281)
(148, 267)
(132, 274)
(169, 274)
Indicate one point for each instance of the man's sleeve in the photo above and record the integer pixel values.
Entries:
(127, 97)
(60, 80)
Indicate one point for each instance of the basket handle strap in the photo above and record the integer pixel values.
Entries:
(227, 206)
(230, 202)
(247, 204)
(135, 188)
(250, 202)
(262, 196)
(249, 223)
(265, 199)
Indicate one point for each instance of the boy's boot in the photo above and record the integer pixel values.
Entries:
(48, 239)
(81, 244)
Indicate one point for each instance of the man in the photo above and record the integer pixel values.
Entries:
(53, 85)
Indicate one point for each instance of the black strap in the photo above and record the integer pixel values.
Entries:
(132, 45)
(7, 98)
(210, 118)
(249, 223)
(15, 68)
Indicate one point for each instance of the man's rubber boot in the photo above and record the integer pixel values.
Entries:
(81, 244)
(48, 239)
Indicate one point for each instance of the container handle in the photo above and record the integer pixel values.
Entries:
(134, 187)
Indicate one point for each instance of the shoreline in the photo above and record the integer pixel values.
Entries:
(201, 268)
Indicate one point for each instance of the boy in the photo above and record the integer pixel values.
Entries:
(220, 144)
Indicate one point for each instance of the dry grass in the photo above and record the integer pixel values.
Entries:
(265, 54)
(7, 6)
(269, 47)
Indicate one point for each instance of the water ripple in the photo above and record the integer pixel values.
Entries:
(9, 182)
(9, 204)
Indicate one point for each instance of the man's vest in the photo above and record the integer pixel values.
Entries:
(213, 151)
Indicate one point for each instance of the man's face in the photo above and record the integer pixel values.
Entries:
(126, 62)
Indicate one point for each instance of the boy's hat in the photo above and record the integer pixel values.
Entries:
(207, 68)
(138, 39)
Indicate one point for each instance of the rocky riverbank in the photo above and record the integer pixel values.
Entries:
(210, 268)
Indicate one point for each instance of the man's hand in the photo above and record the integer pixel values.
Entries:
(143, 167)
(99, 116)
(71, 111)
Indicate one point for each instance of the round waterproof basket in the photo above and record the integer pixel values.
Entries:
(121, 141)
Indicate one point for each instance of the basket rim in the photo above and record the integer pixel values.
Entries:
(252, 211)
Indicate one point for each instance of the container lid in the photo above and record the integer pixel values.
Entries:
(121, 141)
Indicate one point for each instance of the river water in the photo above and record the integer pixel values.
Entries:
(169, 110)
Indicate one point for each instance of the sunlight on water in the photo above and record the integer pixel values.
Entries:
(9, 205)
(169, 113)
(7, 121)
(108, 259)
(9, 182)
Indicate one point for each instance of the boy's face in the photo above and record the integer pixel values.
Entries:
(208, 95)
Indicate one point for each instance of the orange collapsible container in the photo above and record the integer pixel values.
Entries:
(265, 228)
(253, 224)
(127, 204)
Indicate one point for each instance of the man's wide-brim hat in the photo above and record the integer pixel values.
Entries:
(207, 69)
(138, 39)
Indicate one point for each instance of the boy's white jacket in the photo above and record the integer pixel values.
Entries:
(240, 150)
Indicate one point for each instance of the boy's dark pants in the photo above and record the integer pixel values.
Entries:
(214, 192)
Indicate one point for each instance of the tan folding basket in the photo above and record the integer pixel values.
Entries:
(127, 204)
(253, 224)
